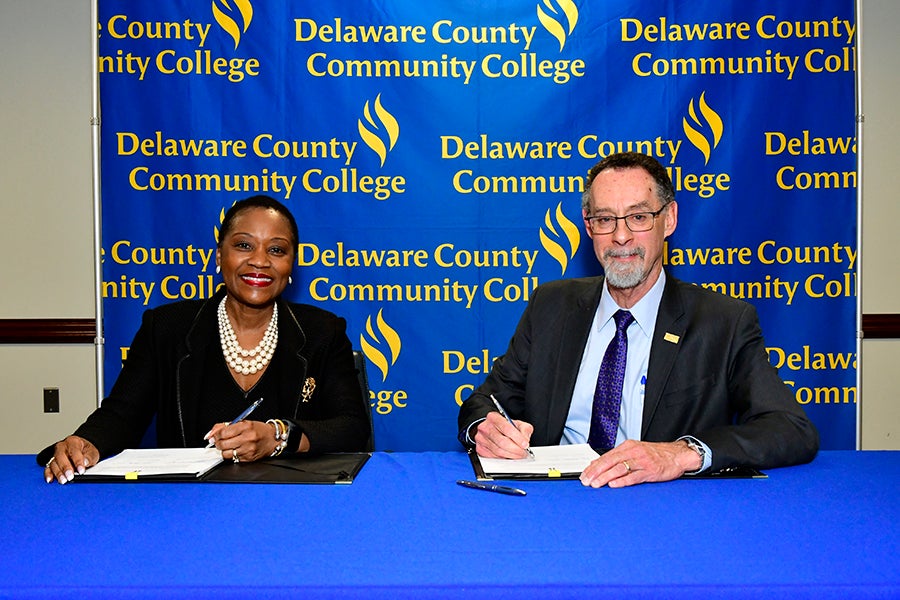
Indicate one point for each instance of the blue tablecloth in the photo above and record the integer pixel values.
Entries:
(404, 529)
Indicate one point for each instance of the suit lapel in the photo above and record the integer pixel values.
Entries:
(667, 337)
(190, 365)
(573, 338)
(291, 378)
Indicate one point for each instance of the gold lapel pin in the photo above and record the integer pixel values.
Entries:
(309, 386)
(671, 337)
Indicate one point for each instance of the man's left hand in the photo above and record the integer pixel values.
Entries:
(639, 462)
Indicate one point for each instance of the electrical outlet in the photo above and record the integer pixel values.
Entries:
(51, 400)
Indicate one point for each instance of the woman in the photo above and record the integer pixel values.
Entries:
(195, 365)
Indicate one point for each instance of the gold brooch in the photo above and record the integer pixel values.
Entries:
(309, 386)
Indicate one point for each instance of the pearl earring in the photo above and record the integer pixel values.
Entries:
(290, 280)
(218, 269)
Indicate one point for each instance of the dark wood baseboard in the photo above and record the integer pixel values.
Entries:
(881, 326)
(47, 331)
(83, 331)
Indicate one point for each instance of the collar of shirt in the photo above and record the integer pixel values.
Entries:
(644, 311)
(640, 336)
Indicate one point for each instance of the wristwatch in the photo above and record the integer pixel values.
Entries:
(697, 447)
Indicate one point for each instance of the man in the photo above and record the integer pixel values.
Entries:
(686, 385)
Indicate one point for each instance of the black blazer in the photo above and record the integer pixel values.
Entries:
(714, 383)
(162, 376)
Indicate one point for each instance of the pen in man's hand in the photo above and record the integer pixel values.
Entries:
(508, 420)
(491, 487)
(241, 417)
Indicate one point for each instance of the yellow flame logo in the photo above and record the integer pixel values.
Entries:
(221, 220)
(371, 350)
(552, 23)
(389, 125)
(714, 123)
(569, 230)
(227, 22)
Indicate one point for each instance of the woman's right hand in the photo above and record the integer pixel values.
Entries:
(71, 454)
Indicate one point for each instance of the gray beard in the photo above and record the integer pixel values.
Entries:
(623, 278)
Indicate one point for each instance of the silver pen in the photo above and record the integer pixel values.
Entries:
(506, 416)
(491, 487)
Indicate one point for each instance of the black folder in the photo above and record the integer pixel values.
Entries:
(727, 473)
(480, 474)
(339, 468)
(323, 468)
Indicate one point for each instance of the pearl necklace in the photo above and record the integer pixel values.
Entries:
(247, 362)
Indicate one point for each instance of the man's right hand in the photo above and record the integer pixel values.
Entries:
(495, 437)
(71, 455)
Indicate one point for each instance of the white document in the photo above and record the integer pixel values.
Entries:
(146, 462)
(550, 461)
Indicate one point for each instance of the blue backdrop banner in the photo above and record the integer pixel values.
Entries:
(434, 154)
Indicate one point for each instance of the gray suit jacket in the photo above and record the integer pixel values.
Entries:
(714, 383)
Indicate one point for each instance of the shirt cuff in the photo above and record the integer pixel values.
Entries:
(464, 435)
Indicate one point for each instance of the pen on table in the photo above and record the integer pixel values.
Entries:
(506, 416)
(491, 487)
(241, 417)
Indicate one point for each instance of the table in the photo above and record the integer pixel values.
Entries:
(404, 529)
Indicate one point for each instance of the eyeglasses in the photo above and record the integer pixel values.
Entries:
(636, 222)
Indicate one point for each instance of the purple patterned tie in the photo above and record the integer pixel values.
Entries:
(608, 393)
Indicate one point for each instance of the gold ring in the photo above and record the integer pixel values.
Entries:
(234, 456)
(49, 462)
(627, 466)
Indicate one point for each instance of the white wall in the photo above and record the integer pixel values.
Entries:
(880, 268)
(46, 214)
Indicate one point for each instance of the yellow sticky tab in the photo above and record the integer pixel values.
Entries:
(553, 473)
(671, 337)
(131, 476)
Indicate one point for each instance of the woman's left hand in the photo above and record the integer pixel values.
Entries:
(245, 441)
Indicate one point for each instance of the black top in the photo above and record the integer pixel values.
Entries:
(166, 377)
(222, 399)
